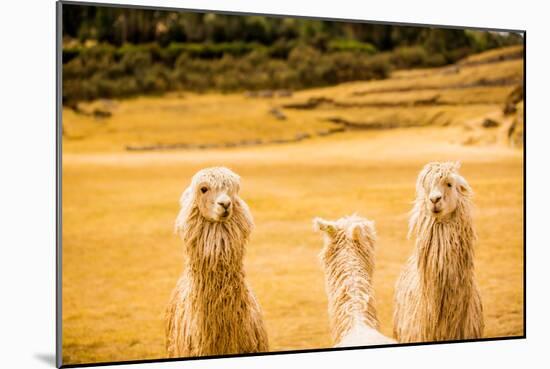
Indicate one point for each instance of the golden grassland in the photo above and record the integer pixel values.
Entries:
(121, 258)
(494, 55)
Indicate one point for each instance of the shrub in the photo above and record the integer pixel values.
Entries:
(351, 45)
(135, 62)
(105, 71)
(409, 57)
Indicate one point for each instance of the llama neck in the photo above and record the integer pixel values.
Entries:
(348, 272)
(215, 250)
(444, 253)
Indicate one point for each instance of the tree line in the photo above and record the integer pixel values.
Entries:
(114, 52)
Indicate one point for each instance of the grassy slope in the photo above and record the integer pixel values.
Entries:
(121, 259)
(495, 54)
(214, 118)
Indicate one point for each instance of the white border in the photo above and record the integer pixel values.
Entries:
(27, 208)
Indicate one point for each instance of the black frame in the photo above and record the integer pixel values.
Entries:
(58, 168)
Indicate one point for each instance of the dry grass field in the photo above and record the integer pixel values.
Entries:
(121, 258)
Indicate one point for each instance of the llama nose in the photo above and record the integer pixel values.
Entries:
(435, 199)
(224, 203)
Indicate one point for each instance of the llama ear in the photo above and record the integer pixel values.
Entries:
(247, 214)
(356, 231)
(422, 176)
(185, 205)
(361, 230)
(463, 186)
(320, 224)
(423, 172)
(236, 179)
(186, 196)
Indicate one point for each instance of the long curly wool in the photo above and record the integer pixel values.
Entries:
(348, 262)
(436, 295)
(212, 310)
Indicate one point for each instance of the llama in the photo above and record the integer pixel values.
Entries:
(212, 310)
(348, 263)
(436, 296)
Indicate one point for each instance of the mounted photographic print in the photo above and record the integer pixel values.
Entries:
(232, 184)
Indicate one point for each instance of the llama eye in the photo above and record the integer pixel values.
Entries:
(204, 189)
(449, 185)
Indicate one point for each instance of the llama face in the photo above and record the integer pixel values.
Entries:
(216, 203)
(216, 193)
(442, 196)
(441, 187)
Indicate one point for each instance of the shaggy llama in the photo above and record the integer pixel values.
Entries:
(436, 296)
(348, 262)
(212, 310)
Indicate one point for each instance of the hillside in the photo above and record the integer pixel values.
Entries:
(471, 94)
